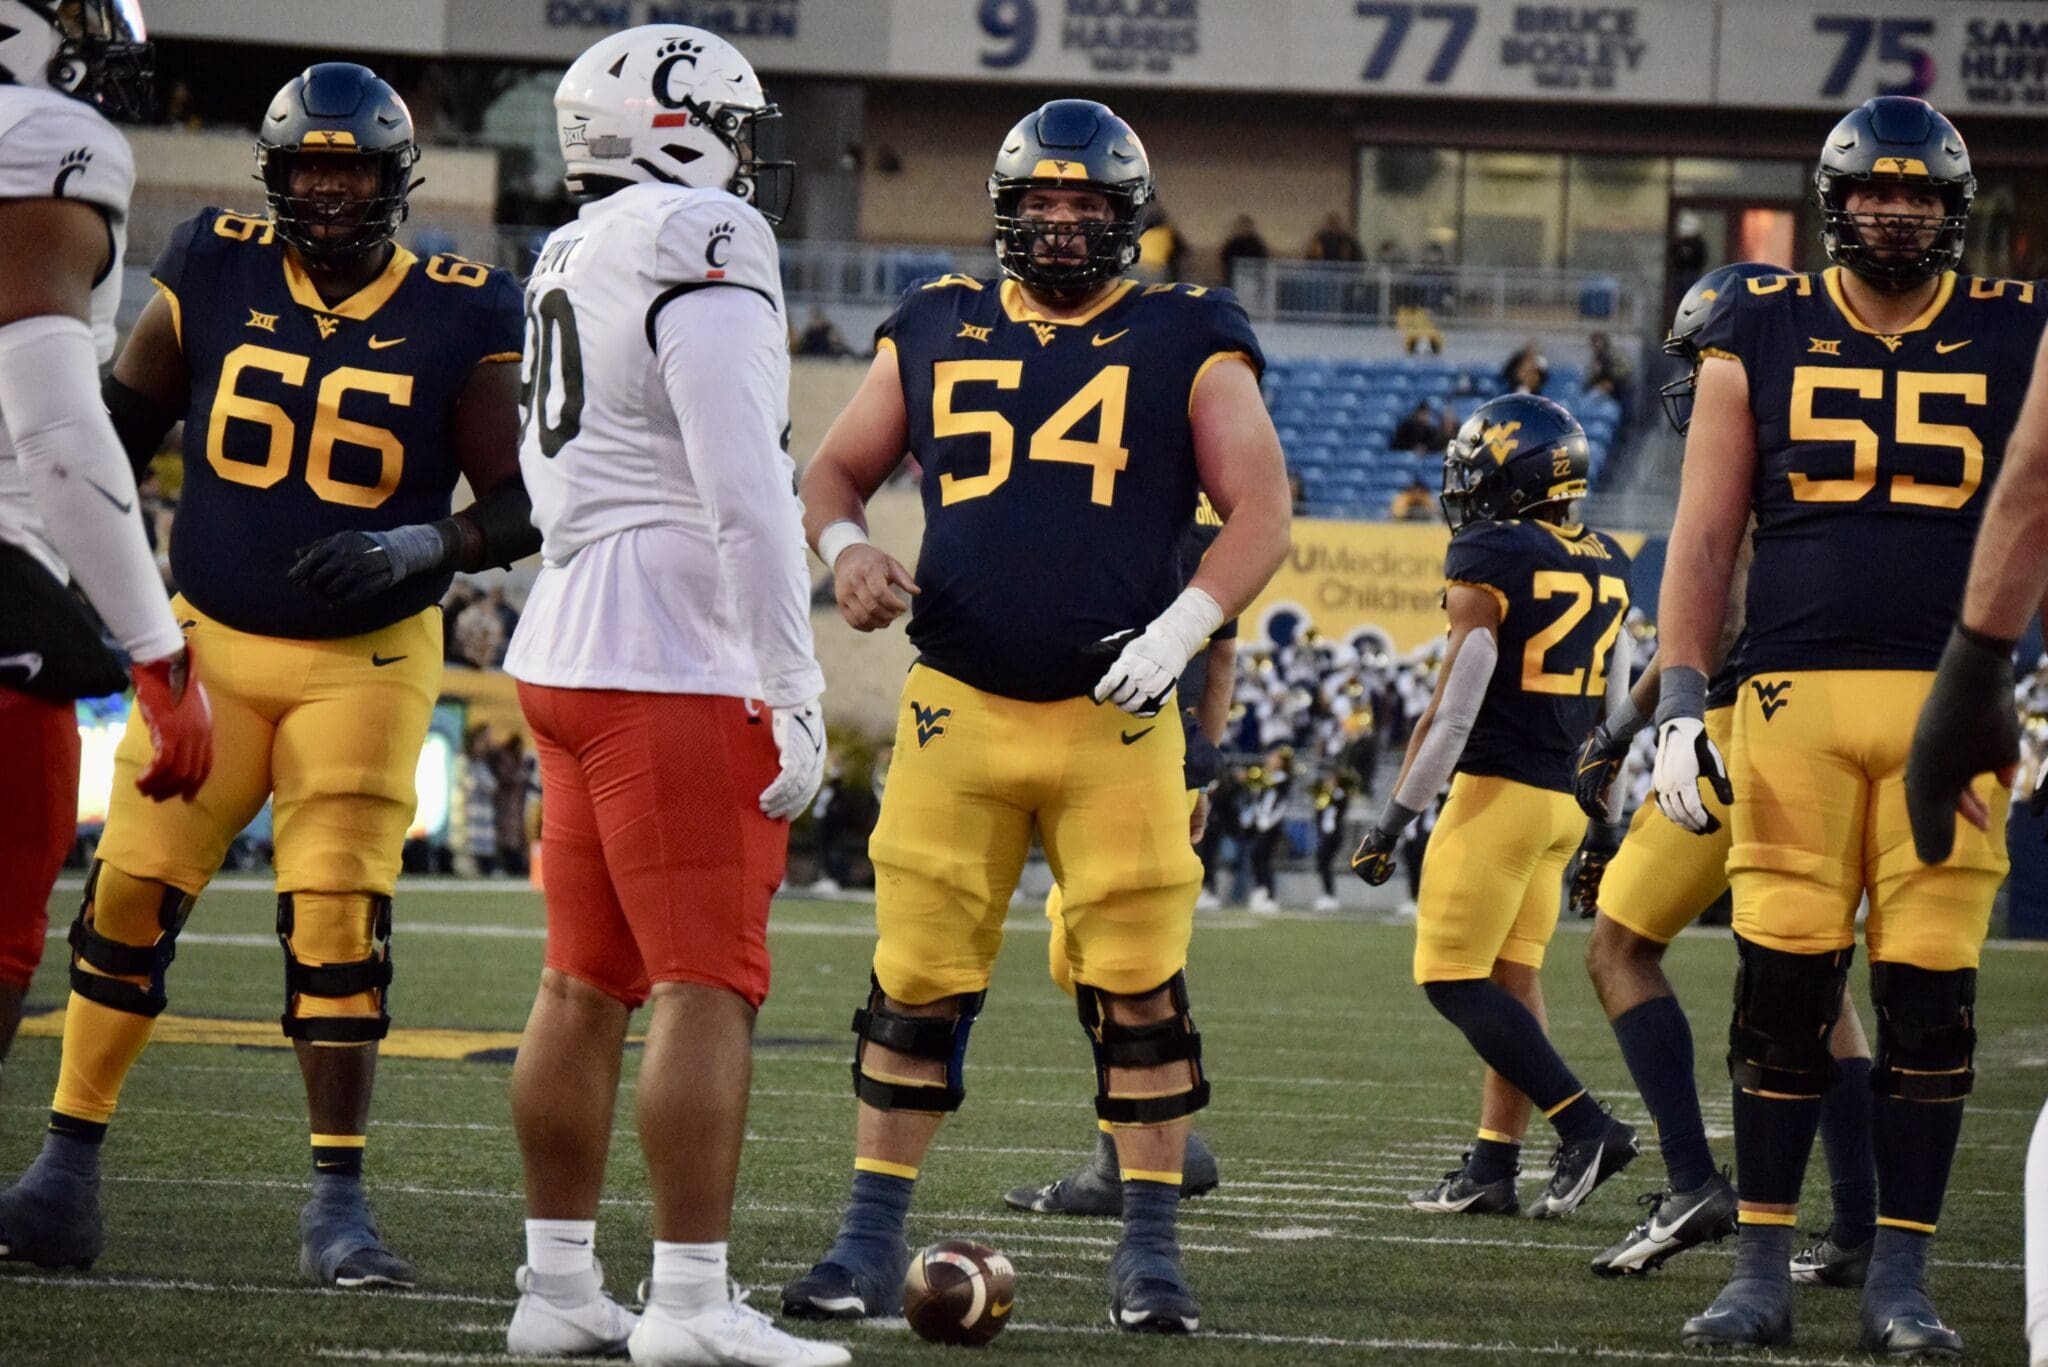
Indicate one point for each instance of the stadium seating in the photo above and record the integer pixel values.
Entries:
(1335, 418)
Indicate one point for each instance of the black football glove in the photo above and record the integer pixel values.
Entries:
(1594, 772)
(1373, 860)
(1968, 727)
(1589, 865)
(354, 567)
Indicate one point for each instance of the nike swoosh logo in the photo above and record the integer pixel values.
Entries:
(27, 660)
(1944, 348)
(573, 1243)
(1129, 739)
(1105, 341)
(1001, 1308)
(377, 345)
(123, 507)
(187, 626)
(379, 661)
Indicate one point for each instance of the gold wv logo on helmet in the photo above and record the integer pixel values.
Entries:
(1502, 441)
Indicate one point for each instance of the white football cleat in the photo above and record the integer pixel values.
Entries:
(1262, 902)
(730, 1335)
(1326, 903)
(566, 1316)
(1208, 901)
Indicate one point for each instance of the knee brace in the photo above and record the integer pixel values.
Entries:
(1785, 1006)
(132, 902)
(1118, 1045)
(939, 1038)
(369, 974)
(1926, 1032)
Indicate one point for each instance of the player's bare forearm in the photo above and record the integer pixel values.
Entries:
(861, 449)
(2009, 572)
(1238, 459)
(1713, 515)
(1212, 711)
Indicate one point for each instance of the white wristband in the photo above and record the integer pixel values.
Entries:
(837, 537)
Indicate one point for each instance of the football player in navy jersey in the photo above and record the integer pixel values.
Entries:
(1536, 606)
(333, 388)
(1860, 415)
(1063, 418)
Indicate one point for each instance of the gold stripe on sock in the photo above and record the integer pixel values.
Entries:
(340, 1141)
(1888, 1222)
(886, 1168)
(1766, 1217)
(1171, 1179)
(1106, 1127)
(1552, 1112)
(1495, 1136)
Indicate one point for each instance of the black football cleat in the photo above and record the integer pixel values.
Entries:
(1096, 1187)
(1677, 1221)
(834, 1291)
(1734, 1324)
(1907, 1328)
(339, 1246)
(1457, 1194)
(1827, 1263)
(1577, 1170)
(1148, 1295)
(52, 1219)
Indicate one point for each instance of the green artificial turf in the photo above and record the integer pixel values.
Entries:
(1336, 1091)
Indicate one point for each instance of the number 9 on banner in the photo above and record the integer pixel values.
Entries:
(1013, 21)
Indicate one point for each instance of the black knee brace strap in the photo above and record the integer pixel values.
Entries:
(1785, 1007)
(372, 974)
(1143, 1046)
(939, 1038)
(88, 946)
(1926, 1032)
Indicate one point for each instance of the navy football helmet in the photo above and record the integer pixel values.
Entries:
(1069, 145)
(1683, 343)
(97, 51)
(1516, 453)
(1893, 138)
(337, 109)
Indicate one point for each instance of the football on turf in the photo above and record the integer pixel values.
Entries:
(959, 1292)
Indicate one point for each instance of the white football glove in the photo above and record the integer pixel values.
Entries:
(1686, 757)
(800, 739)
(1152, 662)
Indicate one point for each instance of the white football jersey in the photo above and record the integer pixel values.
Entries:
(55, 147)
(664, 568)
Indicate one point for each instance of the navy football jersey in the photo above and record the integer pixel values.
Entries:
(1875, 458)
(1563, 593)
(1727, 680)
(1058, 470)
(306, 418)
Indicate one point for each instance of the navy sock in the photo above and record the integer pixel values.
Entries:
(70, 1153)
(1846, 1120)
(1763, 1253)
(1916, 1145)
(1150, 1210)
(1773, 1140)
(1656, 1043)
(1493, 1159)
(1580, 1119)
(872, 1230)
(1898, 1261)
(1508, 1037)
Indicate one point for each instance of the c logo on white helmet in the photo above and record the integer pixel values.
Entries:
(673, 54)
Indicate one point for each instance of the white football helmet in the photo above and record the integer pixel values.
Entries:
(97, 51)
(666, 102)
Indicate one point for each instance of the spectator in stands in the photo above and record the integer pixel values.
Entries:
(480, 635)
(1414, 503)
(1528, 370)
(1243, 244)
(1610, 371)
(514, 773)
(1423, 430)
(460, 596)
(479, 856)
(1295, 491)
(1160, 247)
(1390, 253)
(1335, 242)
(820, 337)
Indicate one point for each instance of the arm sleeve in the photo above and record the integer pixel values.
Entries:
(78, 475)
(721, 355)
(1464, 692)
(1618, 668)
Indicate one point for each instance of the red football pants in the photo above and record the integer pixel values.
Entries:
(657, 861)
(38, 822)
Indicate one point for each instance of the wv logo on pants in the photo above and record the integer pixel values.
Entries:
(1771, 696)
(928, 723)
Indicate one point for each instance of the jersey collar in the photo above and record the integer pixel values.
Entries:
(365, 302)
(1832, 278)
(1018, 310)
